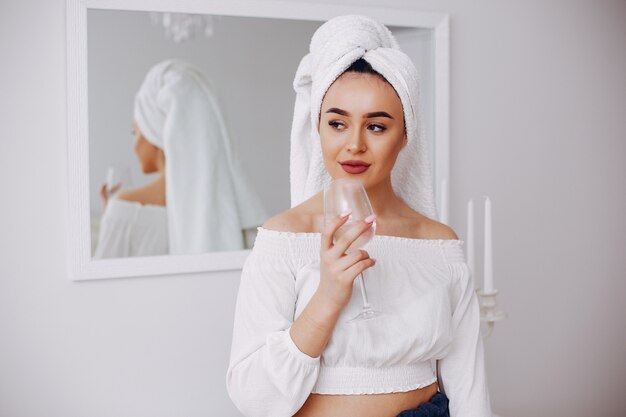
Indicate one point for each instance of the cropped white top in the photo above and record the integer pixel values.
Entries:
(432, 314)
(129, 228)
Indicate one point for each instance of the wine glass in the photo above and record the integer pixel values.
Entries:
(116, 178)
(349, 194)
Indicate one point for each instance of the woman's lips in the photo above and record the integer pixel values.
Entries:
(354, 167)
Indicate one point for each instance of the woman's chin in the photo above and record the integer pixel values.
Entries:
(362, 177)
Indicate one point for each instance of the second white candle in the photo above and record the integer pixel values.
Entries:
(488, 287)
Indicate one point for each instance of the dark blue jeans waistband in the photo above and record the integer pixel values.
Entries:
(437, 406)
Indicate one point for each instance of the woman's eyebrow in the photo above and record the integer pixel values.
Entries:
(378, 114)
(365, 116)
(338, 111)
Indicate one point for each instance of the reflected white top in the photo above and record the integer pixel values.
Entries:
(130, 228)
(433, 314)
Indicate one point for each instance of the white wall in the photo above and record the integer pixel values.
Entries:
(538, 122)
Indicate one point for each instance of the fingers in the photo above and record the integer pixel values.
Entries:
(329, 230)
(347, 261)
(344, 270)
(105, 192)
(359, 267)
(353, 233)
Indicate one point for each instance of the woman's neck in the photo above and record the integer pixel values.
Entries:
(383, 199)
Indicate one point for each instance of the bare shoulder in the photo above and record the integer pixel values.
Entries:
(433, 229)
(301, 218)
(422, 227)
(287, 221)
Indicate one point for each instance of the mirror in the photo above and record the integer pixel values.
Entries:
(250, 83)
(256, 117)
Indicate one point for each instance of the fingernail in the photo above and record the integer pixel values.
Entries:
(345, 213)
(370, 218)
(373, 260)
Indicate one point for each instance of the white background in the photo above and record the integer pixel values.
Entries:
(538, 115)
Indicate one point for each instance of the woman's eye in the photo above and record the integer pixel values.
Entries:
(336, 125)
(376, 127)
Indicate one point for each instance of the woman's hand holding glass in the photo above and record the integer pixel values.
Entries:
(339, 269)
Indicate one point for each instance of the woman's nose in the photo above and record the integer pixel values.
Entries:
(356, 142)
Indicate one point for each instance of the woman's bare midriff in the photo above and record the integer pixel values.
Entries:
(378, 405)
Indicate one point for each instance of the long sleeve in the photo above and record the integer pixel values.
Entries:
(462, 370)
(267, 374)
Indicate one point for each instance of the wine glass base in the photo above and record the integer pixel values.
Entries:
(368, 313)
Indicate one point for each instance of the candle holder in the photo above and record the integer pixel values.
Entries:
(488, 311)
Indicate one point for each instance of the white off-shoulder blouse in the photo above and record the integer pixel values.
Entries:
(432, 315)
(129, 228)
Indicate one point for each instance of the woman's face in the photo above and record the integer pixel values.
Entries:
(361, 128)
(149, 155)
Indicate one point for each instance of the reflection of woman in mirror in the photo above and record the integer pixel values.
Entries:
(294, 349)
(151, 160)
(201, 200)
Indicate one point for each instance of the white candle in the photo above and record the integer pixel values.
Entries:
(488, 287)
(470, 237)
(443, 216)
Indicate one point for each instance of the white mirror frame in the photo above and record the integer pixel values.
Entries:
(82, 266)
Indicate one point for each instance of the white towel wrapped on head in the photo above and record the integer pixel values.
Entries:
(334, 47)
(209, 199)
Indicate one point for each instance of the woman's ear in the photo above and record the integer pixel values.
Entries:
(405, 141)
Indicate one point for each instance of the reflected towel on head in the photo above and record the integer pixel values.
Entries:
(334, 47)
(208, 197)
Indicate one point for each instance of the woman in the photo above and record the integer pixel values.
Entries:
(294, 350)
(134, 222)
(202, 200)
